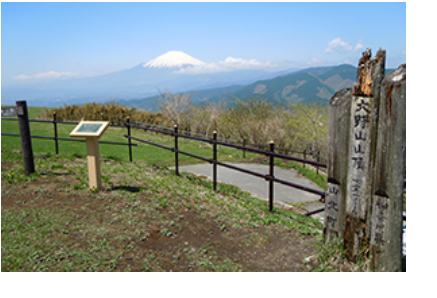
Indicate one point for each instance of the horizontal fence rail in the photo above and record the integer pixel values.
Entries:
(271, 178)
(55, 122)
(67, 139)
(240, 147)
(164, 129)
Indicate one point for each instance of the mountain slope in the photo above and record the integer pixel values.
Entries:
(199, 97)
(305, 86)
(338, 77)
(173, 59)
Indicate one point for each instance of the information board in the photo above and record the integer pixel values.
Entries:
(89, 129)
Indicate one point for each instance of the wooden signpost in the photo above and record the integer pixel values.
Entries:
(388, 182)
(366, 165)
(92, 131)
(339, 120)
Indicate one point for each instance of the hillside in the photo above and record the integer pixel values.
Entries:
(337, 77)
(145, 219)
(305, 86)
(200, 96)
(295, 88)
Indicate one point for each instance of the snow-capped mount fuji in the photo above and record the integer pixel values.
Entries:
(173, 59)
(140, 81)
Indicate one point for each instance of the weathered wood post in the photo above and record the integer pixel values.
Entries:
(366, 160)
(26, 142)
(358, 164)
(388, 181)
(338, 142)
(363, 132)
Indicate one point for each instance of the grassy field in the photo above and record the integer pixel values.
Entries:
(145, 218)
(144, 152)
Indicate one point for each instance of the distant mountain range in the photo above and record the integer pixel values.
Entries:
(178, 72)
(174, 72)
(303, 86)
(309, 85)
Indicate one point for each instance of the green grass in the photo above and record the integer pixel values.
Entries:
(318, 179)
(144, 152)
(60, 225)
(51, 221)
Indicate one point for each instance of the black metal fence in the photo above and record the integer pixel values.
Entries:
(270, 153)
(56, 138)
(214, 161)
(307, 154)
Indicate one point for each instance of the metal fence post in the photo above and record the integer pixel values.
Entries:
(272, 165)
(304, 156)
(244, 150)
(56, 132)
(26, 142)
(129, 140)
(214, 165)
(177, 148)
(318, 160)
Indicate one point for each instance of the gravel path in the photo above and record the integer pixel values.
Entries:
(259, 187)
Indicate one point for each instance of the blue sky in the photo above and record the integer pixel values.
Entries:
(86, 39)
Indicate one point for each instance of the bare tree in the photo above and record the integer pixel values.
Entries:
(309, 124)
(174, 105)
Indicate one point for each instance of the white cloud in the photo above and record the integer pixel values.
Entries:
(314, 61)
(229, 64)
(338, 45)
(359, 46)
(22, 77)
(47, 75)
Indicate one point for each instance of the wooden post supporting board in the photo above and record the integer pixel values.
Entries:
(92, 131)
(93, 159)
